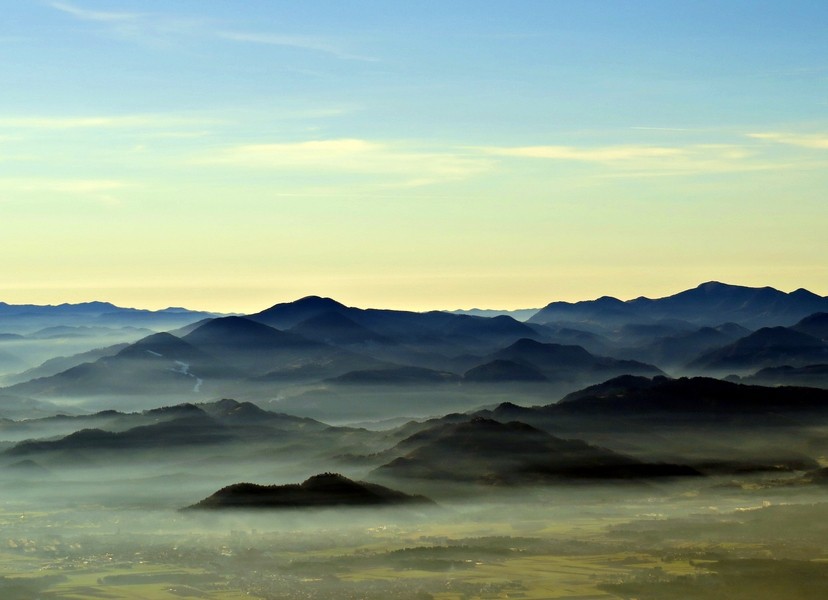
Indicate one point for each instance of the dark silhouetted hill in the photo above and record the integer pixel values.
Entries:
(232, 412)
(502, 370)
(636, 396)
(55, 365)
(163, 345)
(815, 325)
(424, 339)
(557, 362)
(272, 355)
(252, 347)
(487, 451)
(290, 314)
(319, 491)
(500, 327)
(712, 425)
(194, 428)
(769, 346)
(160, 363)
(168, 427)
(599, 345)
(335, 328)
(807, 376)
(680, 349)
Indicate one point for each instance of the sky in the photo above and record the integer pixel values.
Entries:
(229, 155)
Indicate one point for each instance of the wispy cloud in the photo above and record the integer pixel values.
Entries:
(99, 191)
(150, 29)
(159, 29)
(645, 128)
(394, 164)
(312, 43)
(100, 121)
(815, 140)
(347, 154)
(68, 122)
(94, 15)
(68, 186)
(605, 154)
(190, 124)
(651, 161)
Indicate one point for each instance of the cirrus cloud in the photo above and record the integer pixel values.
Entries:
(137, 121)
(814, 140)
(600, 154)
(407, 166)
(93, 15)
(302, 42)
(99, 191)
(649, 160)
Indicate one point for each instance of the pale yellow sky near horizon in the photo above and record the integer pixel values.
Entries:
(194, 154)
(358, 293)
(519, 233)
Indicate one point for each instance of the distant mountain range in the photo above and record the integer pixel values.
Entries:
(317, 346)
(561, 362)
(690, 385)
(31, 335)
(709, 304)
(26, 318)
(521, 314)
(229, 354)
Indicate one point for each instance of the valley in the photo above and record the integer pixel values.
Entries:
(336, 452)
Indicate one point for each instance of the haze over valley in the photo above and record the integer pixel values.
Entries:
(418, 448)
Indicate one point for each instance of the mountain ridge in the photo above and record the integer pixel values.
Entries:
(710, 303)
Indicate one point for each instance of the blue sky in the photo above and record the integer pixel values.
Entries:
(420, 155)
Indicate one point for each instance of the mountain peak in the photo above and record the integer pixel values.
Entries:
(288, 314)
(159, 345)
(710, 286)
(527, 344)
(803, 294)
(325, 480)
(183, 409)
(608, 301)
(318, 301)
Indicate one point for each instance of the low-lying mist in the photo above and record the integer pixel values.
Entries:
(100, 514)
(119, 533)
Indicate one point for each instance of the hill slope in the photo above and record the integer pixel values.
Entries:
(767, 347)
(488, 451)
(558, 362)
(326, 490)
